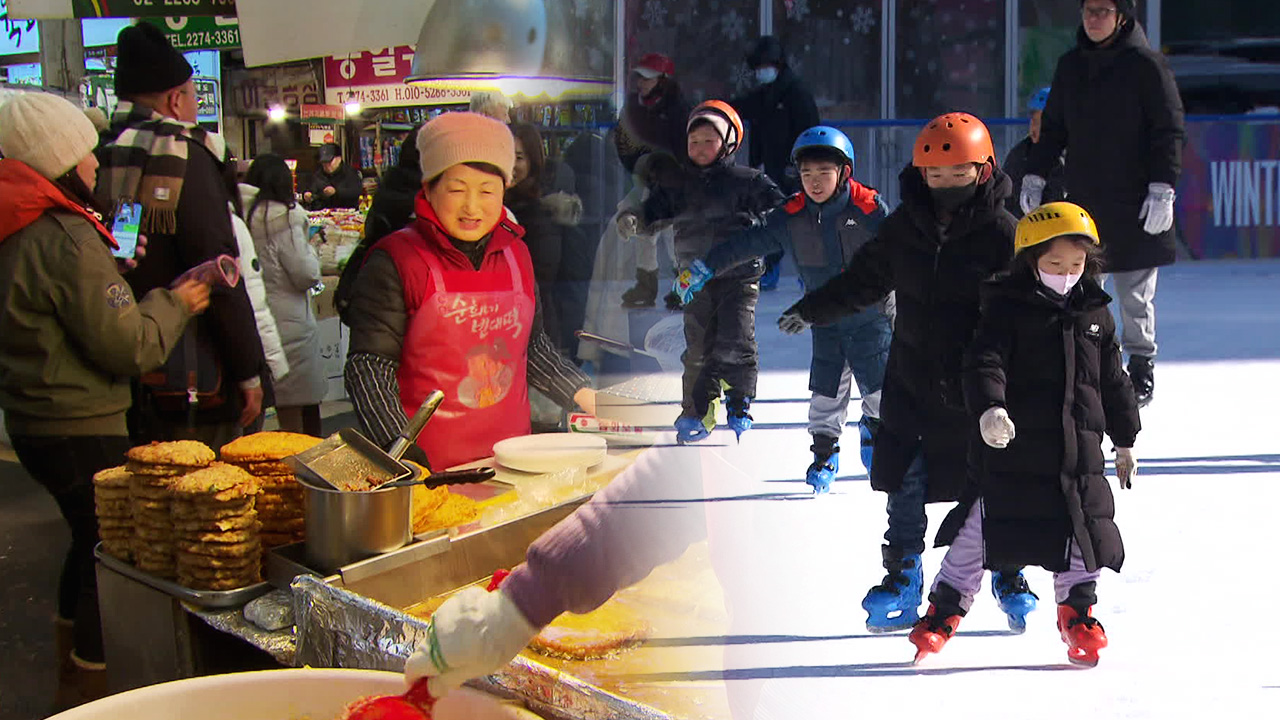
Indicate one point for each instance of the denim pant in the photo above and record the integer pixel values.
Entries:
(65, 466)
(907, 521)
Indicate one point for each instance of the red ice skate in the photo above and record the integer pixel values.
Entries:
(1083, 635)
(932, 632)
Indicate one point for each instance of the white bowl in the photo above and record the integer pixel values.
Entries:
(550, 452)
(298, 694)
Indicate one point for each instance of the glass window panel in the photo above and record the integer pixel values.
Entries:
(707, 39)
(835, 46)
(950, 56)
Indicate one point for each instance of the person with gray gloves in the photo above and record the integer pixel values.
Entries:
(1115, 109)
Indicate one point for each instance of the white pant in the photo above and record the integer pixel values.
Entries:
(647, 248)
(1136, 295)
(827, 416)
(962, 565)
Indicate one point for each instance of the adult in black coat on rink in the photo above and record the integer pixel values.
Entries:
(1115, 109)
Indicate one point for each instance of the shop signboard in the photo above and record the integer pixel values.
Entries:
(17, 37)
(151, 8)
(1229, 192)
(376, 79)
(258, 90)
(194, 32)
(207, 99)
(322, 114)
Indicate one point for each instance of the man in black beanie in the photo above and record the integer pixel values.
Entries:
(335, 184)
(155, 154)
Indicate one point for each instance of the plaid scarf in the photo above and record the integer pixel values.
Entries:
(148, 161)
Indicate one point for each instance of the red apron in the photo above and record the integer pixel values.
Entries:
(470, 339)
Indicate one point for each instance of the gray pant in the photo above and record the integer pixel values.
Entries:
(827, 416)
(647, 248)
(962, 565)
(1135, 293)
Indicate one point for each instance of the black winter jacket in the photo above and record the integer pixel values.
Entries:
(550, 225)
(1015, 166)
(659, 127)
(1117, 113)
(391, 210)
(777, 113)
(708, 205)
(1054, 365)
(346, 183)
(936, 272)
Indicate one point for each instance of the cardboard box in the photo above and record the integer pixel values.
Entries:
(323, 303)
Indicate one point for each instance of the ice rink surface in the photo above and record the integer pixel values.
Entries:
(1191, 618)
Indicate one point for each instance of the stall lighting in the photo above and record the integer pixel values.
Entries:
(277, 114)
(353, 107)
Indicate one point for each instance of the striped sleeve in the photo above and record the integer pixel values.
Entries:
(375, 392)
(550, 372)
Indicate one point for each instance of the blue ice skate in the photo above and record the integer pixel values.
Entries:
(737, 417)
(826, 463)
(689, 430)
(894, 604)
(867, 429)
(1015, 597)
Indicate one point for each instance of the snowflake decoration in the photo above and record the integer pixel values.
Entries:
(654, 13)
(742, 78)
(864, 20)
(733, 25)
(797, 9)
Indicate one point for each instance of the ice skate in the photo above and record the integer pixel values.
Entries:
(738, 418)
(1083, 635)
(894, 604)
(826, 463)
(1142, 373)
(690, 430)
(932, 632)
(867, 429)
(644, 293)
(1015, 598)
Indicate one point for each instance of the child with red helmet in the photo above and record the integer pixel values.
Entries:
(706, 202)
(950, 233)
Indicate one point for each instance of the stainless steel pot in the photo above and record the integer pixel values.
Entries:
(343, 527)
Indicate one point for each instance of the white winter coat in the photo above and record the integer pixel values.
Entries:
(251, 272)
(290, 267)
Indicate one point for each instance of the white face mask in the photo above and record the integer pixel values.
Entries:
(766, 75)
(1060, 284)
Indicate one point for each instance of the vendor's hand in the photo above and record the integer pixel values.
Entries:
(252, 405)
(997, 429)
(1157, 209)
(1032, 192)
(474, 633)
(792, 323)
(628, 226)
(329, 191)
(194, 295)
(586, 399)
(1126, 467)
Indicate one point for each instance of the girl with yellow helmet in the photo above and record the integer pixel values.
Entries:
(1043, 376)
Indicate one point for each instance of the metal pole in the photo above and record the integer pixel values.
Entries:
(62, 56)
(1152, 25)
(1012, 56)
(619, 54)
(766, 17)
(888, 59)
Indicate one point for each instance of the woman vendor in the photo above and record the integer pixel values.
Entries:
(450, 303)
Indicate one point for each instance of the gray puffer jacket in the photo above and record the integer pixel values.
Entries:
(290, 268)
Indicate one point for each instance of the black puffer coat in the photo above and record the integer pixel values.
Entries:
(658, 126)
(936, 273)
(1055, 367)
(1117, 113)
(777, 113)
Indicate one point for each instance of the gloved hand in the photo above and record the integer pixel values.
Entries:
(997, 429)
(1157, 209)
(1126, 467)
(1032, 192)
(791, 323)
(628, 226)
(473, 633)
(692, 280)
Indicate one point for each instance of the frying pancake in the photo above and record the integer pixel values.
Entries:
(267, 446)
(605, 631)
(454, 511)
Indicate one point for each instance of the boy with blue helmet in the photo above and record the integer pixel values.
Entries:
(821, 227)
(1015, 163)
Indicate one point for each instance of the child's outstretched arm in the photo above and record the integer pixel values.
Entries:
(867, 280)
(1118, 402)
(748, 244)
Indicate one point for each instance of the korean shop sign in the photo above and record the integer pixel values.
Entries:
(151, 8)
(195, 32)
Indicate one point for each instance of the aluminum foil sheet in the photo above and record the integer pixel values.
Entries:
(280, 644)
(338, 628)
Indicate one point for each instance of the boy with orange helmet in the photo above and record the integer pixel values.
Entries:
(950, 233)
(706, 203)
